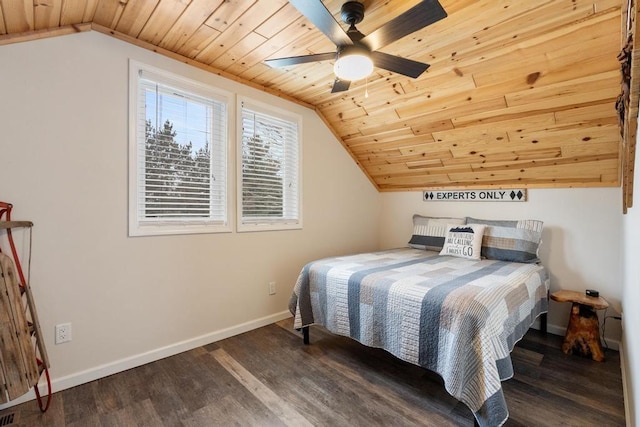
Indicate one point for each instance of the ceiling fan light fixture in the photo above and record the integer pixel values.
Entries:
(356, 52)
(353, 66)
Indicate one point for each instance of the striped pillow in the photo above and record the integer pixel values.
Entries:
(429, 232)
(516, 241)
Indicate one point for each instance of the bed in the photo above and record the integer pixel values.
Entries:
(457, 316)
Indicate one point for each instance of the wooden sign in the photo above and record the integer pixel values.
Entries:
(507, 195)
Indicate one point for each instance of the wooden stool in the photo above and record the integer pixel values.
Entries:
(583, 331)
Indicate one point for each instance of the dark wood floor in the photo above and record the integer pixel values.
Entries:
(267, 377)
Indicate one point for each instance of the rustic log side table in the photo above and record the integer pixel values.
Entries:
(583, 332)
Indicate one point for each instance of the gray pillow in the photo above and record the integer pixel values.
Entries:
(429, 232)
(516, 241)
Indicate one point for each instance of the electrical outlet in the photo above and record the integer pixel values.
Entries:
(63, 333)
(272, 288)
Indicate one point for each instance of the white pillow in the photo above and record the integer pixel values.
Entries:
(463, 241)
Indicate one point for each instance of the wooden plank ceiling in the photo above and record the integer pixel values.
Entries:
(519, 93)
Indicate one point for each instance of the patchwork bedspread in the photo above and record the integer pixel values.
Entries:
(457, 317)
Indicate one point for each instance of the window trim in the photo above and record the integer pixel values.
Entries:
(173, 227)
(267, 225)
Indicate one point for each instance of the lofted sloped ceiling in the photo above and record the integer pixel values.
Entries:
(520, 93)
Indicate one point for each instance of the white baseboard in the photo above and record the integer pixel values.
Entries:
(625, 387)
(560, 330)
(556, 330)
(63, 383)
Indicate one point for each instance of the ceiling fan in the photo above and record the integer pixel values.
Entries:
(356, 53)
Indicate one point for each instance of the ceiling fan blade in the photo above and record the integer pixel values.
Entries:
(398, 65)
(424, 13)
(340, 85)
(295, 60)
(316, 12)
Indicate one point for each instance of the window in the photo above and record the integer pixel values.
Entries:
(178, 155)
(269, 171)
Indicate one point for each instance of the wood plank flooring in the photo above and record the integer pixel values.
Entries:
(267, 377)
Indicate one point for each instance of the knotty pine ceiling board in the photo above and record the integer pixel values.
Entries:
(18, 15)
(46, 14)
(519, 93)
(73, 12)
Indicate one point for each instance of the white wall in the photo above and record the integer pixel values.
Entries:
(631, 302)
(63, 164)
(580, 240)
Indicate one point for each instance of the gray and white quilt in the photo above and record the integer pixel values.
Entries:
(457, 317)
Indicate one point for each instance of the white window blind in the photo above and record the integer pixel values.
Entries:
(181, 166)
(269, 167)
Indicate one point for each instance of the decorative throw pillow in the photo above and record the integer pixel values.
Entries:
(429, 232)
(463, 241)
(516, 241)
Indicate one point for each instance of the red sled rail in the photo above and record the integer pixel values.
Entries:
(24, 352)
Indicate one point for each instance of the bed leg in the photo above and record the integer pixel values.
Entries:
(543, 323)
(305, 334)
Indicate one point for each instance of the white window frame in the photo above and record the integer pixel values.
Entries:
(267, 224)
(139, 226)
